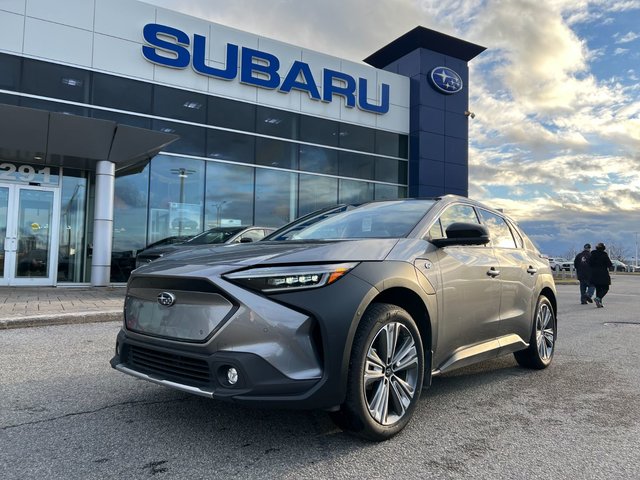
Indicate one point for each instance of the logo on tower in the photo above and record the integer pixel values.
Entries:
(445, 80)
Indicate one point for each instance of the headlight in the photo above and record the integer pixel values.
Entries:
(278, 279)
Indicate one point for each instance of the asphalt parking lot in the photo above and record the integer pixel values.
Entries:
(65, 414)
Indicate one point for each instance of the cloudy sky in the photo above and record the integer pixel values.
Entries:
(556, 137)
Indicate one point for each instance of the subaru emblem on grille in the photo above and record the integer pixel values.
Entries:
(166, 299)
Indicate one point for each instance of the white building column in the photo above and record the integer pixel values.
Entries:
(103, 224)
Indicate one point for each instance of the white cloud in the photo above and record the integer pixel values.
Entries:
(629, 37)
(620, 51)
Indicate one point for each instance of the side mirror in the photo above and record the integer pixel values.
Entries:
(460, 233)
(246, 240)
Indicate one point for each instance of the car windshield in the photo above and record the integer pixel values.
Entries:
(215, 235)
(290, 229)
(390, 219)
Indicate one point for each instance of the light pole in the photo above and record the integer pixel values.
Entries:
(219, 206)
(182, 173)
(636, 250)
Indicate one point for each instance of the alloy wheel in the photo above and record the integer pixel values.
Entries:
(545, 332)
(391, 373)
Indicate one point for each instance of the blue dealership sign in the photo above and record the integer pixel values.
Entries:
(445, 80)
(171, 47)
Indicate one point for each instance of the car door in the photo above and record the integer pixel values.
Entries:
(468, 295)
(518, 274)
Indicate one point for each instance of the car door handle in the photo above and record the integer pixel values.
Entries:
(532, 270)
(493, 272)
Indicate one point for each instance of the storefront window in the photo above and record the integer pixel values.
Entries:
(10, 72)
(121, 93)
(356, 165)
(229, 195)
(275, 197)
(319, 130)
(56, 81)
(122, 118)
(179, 104)
(357, 138)
(392, 144)
(175, 203)
(276, 153)
(389, 170)
(224, 145)
(231, 114)
(352, 191)
(277, 123)
(316, 192)
(389, 192)
(191, 139)
(129, 222)
(72, 248)
(318, 160)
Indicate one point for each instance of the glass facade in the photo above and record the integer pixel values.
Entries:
(235, 163)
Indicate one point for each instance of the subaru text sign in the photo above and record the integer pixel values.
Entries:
(174, 48)
(445, 80)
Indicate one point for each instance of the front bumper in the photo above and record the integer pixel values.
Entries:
(205, 374)
(288, 349)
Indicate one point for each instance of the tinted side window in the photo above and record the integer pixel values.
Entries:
(516, 235)
(254, 235)
(458, 213)
(499, 231)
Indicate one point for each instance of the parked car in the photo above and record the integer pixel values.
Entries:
(167, 241)
(619, 266)
(213, 236)
(355, 313)
(558, 264)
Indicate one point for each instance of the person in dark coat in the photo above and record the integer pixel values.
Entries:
(583, 272)
(600, 263)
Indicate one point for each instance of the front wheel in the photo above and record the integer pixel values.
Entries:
(543, 337)
(385, 374)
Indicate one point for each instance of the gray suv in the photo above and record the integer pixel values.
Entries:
(353, 313)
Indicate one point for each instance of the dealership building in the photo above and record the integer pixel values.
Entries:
(122, 124)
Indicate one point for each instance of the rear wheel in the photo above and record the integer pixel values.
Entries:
(385, 374)
(543, 337)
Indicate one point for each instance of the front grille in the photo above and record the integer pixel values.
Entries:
(185, 369)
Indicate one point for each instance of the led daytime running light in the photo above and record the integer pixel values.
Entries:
(286, 278)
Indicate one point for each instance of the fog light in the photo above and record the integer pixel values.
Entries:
(118, 348)
(232, 376)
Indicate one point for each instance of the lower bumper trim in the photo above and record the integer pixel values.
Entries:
(167, 383)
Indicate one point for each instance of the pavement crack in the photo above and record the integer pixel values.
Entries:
(88, 412)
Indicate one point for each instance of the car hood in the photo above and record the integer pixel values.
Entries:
(270, 253)
(162, 250)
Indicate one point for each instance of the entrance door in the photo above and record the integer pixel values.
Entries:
(28, 235)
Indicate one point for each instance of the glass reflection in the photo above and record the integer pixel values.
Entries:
(228, 195)
(71, 255)
(129, 222)
(275, 197)
(4, 206)
(352, 191)
(175, 203)
(275, 153)
(316, 192)
(318, 160)
(35, 214)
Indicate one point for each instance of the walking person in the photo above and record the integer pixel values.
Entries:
(600, 263)
(583, 272)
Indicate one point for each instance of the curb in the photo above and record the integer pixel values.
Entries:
(61, 319)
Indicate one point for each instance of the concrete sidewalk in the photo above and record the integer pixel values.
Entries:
(39, 306)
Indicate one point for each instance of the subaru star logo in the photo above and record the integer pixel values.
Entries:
(166, 299)
(445, 80)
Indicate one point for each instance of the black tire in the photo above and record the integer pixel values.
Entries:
(542, 343)
(383, 405)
